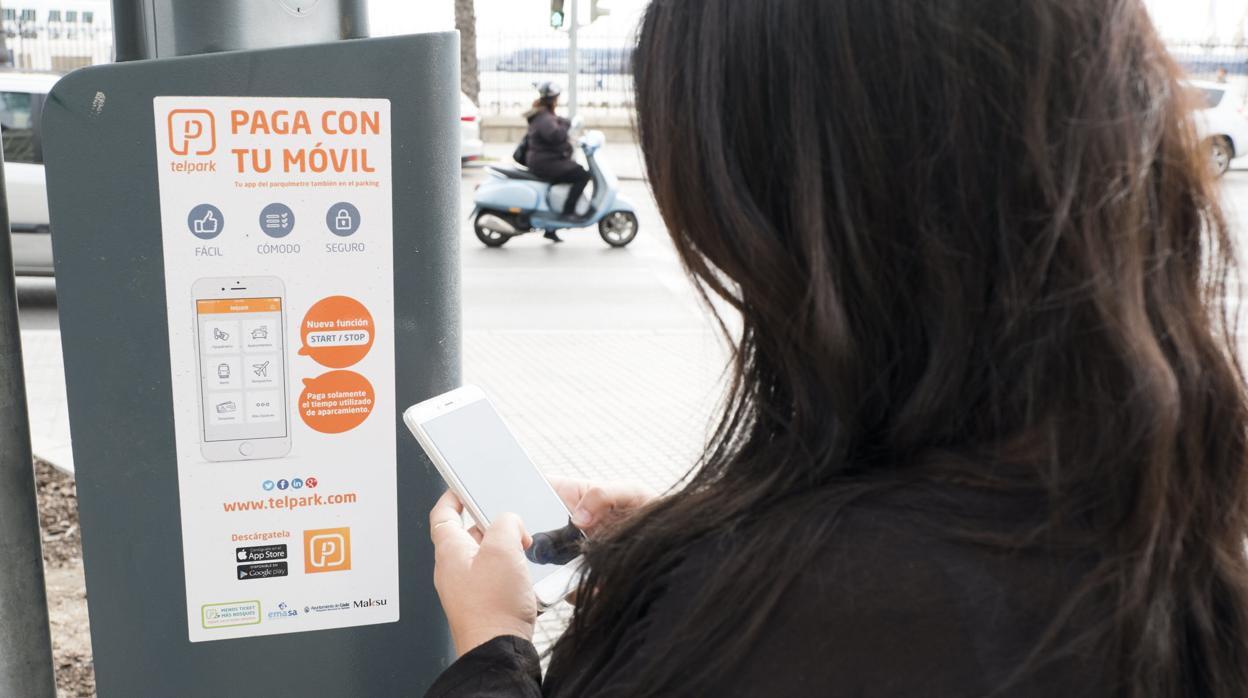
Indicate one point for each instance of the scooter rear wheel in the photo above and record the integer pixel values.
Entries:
(491, 238)
(618, 228)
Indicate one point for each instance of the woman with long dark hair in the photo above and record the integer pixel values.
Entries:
(986, 430)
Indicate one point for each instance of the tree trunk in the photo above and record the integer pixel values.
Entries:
(466, 23)
(4, 48)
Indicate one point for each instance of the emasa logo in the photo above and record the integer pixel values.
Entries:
(283, 611)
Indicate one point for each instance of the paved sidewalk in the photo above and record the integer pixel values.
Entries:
(599, 404)
(625, 405)
(631, 405)
(45, 397)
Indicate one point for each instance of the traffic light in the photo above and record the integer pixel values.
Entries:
(597, 9)
(556, 13)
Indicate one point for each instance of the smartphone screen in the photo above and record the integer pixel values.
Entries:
(495, 472)
(242, 368)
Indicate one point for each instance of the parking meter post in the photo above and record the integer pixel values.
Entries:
(25, 643)
(165, 28)
(147, 558)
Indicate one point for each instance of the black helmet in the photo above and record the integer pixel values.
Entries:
(549, 89)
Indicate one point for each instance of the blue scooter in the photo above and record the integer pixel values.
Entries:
(514, 201)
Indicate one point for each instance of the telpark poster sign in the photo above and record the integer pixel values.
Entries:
(277, 236)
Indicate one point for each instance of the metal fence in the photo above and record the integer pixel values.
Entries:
(511, 66)
(1203, 61)
(57, 46)
(1215, 62)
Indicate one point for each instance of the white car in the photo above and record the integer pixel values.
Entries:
(21, 105)
(471, 147)
(1223, 122)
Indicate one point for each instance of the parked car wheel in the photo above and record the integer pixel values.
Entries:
(618, 228)
(1220, 155)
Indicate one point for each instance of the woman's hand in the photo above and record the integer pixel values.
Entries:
(483, 581)
(593, 503)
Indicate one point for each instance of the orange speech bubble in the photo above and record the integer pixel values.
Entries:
(337, 401)
(337, 332)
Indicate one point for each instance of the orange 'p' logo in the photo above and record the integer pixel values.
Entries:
(326, 550)
(192, 129)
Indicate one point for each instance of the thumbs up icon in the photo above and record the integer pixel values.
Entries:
(206, 225)
(205, 221)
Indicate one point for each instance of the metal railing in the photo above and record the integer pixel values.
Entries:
(1206, 60)
(57, 47)
(511, 65)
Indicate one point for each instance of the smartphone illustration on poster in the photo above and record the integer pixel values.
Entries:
(240, 347)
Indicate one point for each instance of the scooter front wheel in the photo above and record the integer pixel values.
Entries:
(489, 236)
(618, 228)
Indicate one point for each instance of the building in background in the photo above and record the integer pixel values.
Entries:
(57, 35)
(61, 35)
(517, 48)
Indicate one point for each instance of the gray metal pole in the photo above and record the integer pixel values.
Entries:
(165, 28)
(134, 30)
(573, 59)
(25, 642)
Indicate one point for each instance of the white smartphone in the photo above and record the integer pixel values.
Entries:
(240, 346)
(488, 470)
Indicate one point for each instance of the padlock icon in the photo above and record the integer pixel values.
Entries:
(342, 221)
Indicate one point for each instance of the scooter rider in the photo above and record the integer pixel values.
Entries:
(550, 149)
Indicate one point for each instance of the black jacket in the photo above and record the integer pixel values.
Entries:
(892, 608)
(550, 150)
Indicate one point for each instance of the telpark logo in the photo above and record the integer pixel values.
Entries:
(192, 132)
(326, 550)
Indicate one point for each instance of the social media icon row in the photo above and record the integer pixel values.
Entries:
(277, 220)
(284, 484)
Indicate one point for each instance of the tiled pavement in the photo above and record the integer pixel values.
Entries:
(601, 405)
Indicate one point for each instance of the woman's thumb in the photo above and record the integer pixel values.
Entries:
(507, 530)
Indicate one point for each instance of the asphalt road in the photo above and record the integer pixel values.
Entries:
(581, 284)
(533, 284)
